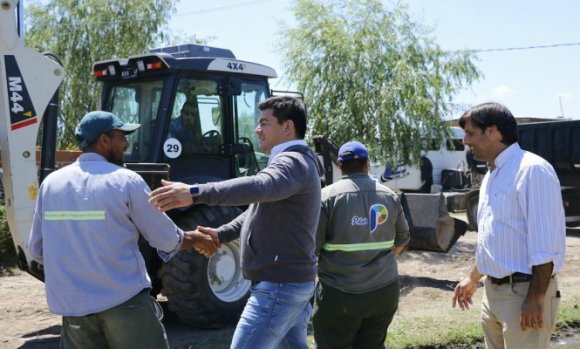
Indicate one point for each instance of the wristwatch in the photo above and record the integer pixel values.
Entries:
(194, 191)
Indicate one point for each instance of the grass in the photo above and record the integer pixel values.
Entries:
(568, 317)
(450, 326)
(463, 329)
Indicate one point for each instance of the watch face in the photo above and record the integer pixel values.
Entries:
(194, 190)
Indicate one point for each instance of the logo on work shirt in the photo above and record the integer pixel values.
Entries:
(378, 215)
(356, 220)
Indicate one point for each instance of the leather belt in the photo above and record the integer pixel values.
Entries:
(511, 279)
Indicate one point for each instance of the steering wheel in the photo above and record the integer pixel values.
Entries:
(211, 133)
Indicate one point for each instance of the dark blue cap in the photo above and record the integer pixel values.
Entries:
(96, 122)
(352, 150)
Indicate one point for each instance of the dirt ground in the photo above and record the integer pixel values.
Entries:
(426, 278)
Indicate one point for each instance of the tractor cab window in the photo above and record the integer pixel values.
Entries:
(137, 103)
(249, 93)
(196, 119)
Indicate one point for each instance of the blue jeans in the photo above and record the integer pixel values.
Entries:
(276, 316)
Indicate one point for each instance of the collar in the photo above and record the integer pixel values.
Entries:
(355, 175)
(506, 154)
(90, 156)
(283, 146)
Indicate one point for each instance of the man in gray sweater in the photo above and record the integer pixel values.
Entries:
(276, 232)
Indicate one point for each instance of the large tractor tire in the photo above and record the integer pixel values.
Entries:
(206, 293)
(471, 208)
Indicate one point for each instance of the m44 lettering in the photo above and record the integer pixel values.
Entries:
(22, 111)
(236, 66)
(15, 89)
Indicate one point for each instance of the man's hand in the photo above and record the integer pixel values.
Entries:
(532, 314)
(211, 232)
(203, 243)
(463, 294)
(171, 195)
(465, 289)
(398, 250)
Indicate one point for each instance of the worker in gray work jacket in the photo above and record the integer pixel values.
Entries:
(361, 229)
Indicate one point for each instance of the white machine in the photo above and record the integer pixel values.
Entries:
(450, 158)
(28, 81)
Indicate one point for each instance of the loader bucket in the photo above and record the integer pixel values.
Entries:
(430, 225)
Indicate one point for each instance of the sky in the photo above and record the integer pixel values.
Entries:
(534, 82)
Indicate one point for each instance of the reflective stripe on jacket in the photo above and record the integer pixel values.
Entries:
(360, 222)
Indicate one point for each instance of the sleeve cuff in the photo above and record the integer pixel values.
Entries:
(166, 256)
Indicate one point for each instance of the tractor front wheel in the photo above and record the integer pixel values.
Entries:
(207, 293)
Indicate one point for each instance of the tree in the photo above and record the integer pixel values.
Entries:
(81, 32)
(371, 73)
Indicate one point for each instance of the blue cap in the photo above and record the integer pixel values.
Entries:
(352, 150)
(93, 124)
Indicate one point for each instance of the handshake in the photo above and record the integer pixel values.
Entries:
(204, 240)
(175, 194)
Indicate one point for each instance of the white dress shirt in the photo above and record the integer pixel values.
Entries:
(521, 215)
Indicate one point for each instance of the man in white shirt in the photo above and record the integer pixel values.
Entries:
(522, 234)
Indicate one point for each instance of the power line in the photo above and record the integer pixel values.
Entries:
(224, 7)
(213, 9)
(522, 47)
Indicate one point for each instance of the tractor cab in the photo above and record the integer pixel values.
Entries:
(198, 107)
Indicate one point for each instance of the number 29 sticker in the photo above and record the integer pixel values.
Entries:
(172, 148)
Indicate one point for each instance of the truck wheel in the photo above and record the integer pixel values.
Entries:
(472, 203)
(206, 293)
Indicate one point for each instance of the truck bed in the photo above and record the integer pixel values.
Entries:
(559, 143)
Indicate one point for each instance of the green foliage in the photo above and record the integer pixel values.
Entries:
(371, 73)
(7, 252)
(83, 32)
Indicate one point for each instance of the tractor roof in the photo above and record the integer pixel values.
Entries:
(182, 57)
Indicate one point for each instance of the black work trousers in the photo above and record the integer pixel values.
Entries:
(357, 321)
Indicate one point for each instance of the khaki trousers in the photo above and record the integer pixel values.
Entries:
(500, 316)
